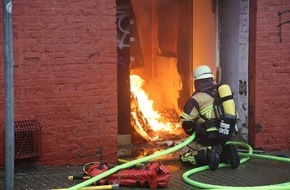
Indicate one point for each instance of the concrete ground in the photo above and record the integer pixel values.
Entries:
(255, 172)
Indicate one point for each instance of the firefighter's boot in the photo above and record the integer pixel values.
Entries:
(204, 156)
(199, 159)
(187, 158)
(214, 156)
(230, 155)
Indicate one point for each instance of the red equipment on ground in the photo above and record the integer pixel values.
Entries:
(152, 175)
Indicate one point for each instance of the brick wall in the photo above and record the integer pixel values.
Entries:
(272, 76)
(66, 77)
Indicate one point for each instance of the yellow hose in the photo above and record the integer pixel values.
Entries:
(103, 187)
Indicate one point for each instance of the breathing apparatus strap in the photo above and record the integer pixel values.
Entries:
(226, 98)
(222, 123)
(216, 107)
(203, 117)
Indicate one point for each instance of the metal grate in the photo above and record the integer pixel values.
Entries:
(27, 139)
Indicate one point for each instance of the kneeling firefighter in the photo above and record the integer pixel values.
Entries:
(205, 113)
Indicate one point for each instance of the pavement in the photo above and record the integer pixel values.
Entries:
(255, 172)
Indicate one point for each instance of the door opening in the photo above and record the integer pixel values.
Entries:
(155, 63)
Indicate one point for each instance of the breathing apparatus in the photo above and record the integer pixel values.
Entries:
(227, 100)
(229, 116)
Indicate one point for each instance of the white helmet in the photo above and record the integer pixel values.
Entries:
(202, 72)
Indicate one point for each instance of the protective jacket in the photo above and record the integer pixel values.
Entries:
(198, 113)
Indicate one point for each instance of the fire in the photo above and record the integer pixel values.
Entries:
(147, 121)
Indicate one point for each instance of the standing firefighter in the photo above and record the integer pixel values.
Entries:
(205, 114)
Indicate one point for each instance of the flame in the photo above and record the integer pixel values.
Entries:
(146, 121)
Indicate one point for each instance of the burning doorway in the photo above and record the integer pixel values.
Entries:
(154, 67)
(160, 42)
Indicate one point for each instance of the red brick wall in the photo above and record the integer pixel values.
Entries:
(66, 77)
(272, 76)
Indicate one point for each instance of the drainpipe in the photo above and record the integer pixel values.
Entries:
(9, 94)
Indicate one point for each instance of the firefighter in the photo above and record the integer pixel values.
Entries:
(199, 116)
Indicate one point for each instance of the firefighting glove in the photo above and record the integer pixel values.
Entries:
(188, 127)
(200, 130)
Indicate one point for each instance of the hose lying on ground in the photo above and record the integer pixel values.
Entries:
(133, 163)
(246, 157)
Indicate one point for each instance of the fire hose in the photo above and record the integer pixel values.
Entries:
(246, 157)
(133, 163)
(192, 171)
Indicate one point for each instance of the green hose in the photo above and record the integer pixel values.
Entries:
(185, 176)
(246, 156)
(133, 163)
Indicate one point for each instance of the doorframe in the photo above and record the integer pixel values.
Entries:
(233, 57)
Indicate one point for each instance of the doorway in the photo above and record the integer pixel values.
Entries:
(161, 42)
(155, 44)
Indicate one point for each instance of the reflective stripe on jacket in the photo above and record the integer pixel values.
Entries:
(200, 102)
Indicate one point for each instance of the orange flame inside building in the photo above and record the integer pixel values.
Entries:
(149, 123)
